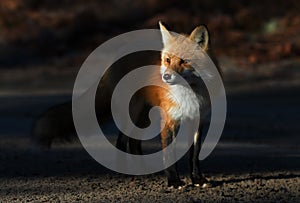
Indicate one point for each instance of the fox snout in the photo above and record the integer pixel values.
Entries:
(169, 77)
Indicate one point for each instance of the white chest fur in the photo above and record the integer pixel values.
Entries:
(188, 103)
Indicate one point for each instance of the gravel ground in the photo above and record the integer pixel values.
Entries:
(257, 159)
(238, 173)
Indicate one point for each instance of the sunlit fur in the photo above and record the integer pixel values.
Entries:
(178, 101)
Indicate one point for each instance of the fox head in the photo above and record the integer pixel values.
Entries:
(186, 47)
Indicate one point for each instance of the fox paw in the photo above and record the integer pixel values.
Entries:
(177, 184)
(201, 182)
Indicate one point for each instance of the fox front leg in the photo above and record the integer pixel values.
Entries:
(167, 136)
(197, 177)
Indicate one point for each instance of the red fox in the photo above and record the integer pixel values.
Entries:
(177, 101)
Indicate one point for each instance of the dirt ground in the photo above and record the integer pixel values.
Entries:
(238, 173)
(257, 159)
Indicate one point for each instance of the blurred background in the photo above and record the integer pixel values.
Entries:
(43, 43)
(257, 43)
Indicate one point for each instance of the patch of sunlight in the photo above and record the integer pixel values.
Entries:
(271, 26)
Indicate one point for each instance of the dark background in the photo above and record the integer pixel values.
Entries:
(257, 44)
(60, 34)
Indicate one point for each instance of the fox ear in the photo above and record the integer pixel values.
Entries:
(166, 35)
(201, 36)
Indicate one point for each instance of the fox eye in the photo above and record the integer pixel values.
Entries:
(184, 62)
(168, 60)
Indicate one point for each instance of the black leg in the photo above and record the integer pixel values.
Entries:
(171, 172)
(122, 142)
(195, 170)
(135, 146)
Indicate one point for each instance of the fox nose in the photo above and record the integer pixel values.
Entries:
(167, 76)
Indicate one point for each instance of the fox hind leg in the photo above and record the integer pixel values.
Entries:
(135, 146)
(122, 141)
